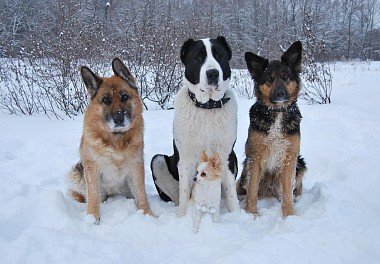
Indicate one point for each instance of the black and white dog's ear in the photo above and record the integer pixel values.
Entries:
(122, 71)
(293, 57)
(91, 80)
(185, 48)
(256, 65)
(224, 43)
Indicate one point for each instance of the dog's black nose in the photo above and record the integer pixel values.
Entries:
(280, 94)
(195, 179)
(212, 76)
(118, 118)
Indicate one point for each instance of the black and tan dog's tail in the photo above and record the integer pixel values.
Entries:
(300, 172)
(77, 182)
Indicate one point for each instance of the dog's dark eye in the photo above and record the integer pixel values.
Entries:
(285, 77)
(217, 56)
(268, 80)
(124, 97)
(203, 174)
(106, 100)
(198, 58)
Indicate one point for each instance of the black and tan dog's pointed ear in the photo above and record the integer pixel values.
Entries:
(256, 65)
(293, 57)
(91, 80)
(122, 71)
(223, 41)
(185, 48)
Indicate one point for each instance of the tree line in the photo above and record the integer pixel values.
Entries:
(45, 41)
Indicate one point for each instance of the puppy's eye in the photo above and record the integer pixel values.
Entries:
(285, 77)
(203, 174)
(124, 97)
(268, 80)
(106, 100)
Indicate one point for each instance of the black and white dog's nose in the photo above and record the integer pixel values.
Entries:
(212, 76)
(118, 118)
(195, 179)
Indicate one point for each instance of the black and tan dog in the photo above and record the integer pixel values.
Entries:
(273, 166)
(111, 149)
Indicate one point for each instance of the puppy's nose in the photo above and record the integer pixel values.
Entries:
(195, 179)
(118, 118)
(212, 76)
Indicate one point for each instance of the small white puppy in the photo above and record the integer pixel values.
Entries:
(206, 192)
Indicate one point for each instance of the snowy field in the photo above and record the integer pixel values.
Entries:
(337, 218)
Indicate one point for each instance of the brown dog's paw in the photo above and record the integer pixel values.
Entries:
(287, 210)
(149, 212)
(249, 208)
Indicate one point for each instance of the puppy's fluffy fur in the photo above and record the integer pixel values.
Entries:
(207, 189)
(111, 149)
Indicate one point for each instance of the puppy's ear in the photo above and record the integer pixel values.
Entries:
(223, 41)
(293, 57)
(215, 161)
(185, 48)
(204, 157)
(122, 71)
(91, 81)
(256, 65)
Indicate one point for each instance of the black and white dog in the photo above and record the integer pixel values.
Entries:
(205, 118)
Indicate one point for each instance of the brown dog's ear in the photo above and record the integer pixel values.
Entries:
(204, 157)
(185, 48)
(256, 65)
(215, 161)
(293, 57)
(91, 80)
(122, 71)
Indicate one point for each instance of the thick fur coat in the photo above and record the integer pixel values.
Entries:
(273, 166)
(212, 127)
(111, 149)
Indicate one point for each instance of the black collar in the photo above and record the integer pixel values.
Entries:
(211, 103)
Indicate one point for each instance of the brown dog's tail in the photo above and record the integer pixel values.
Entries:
(242, 182)
(77, 182)
(300, 172)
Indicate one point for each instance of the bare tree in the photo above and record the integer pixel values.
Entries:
(43, 43)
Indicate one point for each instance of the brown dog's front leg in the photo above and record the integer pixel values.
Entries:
(253, 172)
(92, 187)
(287, 177)
(139, 189)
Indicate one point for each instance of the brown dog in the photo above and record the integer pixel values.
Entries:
(111, 149)
(273, 167)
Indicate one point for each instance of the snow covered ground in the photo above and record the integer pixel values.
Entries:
(337, 218)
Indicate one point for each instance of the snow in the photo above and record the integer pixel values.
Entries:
(337, 218)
